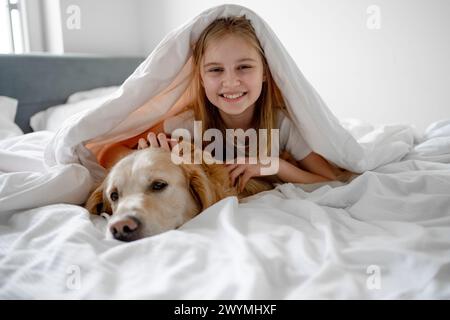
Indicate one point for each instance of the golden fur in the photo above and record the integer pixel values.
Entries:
(191, 188)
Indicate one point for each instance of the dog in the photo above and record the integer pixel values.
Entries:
(146, 193)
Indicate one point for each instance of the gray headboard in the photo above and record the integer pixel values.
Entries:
(39, 81)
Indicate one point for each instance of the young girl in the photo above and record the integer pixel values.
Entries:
(232, 88)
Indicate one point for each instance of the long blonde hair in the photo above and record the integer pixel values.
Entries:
(270, 97)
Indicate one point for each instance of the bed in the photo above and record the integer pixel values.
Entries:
(64, 75)
(384, 235)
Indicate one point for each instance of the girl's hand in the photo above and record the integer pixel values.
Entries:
(160, 141)
(244, 171)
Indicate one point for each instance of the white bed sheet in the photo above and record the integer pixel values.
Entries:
(384, 235)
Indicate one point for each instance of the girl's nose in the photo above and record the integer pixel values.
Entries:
(231, 80)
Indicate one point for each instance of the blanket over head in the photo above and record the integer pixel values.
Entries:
(152, 93)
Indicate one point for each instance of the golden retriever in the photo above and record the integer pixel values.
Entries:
(146, 193)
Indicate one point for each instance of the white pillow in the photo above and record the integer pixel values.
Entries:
(438, 129)
(52, 118)
(8, 128)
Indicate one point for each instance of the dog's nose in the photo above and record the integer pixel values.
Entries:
(125, 229)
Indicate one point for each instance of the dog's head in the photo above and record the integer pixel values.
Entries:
(146, 194)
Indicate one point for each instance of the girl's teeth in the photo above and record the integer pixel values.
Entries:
(234, 96)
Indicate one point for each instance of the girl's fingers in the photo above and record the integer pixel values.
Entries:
(163, 141)
(244, 179)
(151, 137)
(172, 143)
(142, 144)
(236, 173)
(156, 142)
(230, 167)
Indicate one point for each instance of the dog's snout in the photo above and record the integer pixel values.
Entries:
(126, 229)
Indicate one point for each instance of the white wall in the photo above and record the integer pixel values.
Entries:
(106, 27)
(399, 73)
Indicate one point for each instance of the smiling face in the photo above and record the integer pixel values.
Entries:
(232, 75)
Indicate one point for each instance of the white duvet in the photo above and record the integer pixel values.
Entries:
(384, 235)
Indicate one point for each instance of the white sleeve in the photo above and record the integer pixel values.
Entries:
(184, 120)
(292, 141)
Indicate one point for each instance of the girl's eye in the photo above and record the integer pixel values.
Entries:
(220, 69)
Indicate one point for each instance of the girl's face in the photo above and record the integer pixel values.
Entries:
(232, 74)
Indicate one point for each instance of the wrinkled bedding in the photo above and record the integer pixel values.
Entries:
(386, 235)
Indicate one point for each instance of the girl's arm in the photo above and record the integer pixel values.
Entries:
(288, 172)
(316, 164)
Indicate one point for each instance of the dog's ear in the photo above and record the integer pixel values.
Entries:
(96, 204)
(200, 186)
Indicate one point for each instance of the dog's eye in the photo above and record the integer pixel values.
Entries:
(114, 196)
(158, 185)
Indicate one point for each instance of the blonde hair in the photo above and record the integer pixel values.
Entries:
(270, 97)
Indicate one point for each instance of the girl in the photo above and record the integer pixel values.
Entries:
(232, 88)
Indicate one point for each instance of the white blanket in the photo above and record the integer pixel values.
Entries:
(384, 235)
